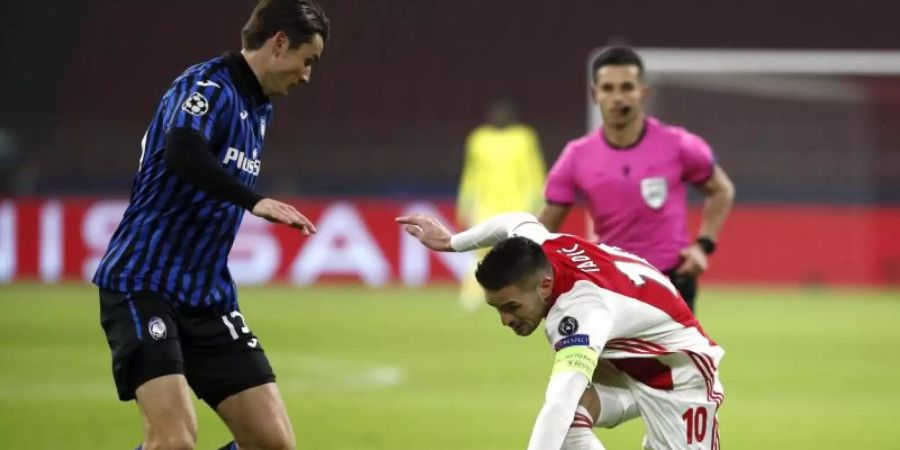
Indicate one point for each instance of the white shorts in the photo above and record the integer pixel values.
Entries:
(681, 418)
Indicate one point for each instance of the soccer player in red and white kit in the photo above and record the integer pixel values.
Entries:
(626, 344)
(634, 174)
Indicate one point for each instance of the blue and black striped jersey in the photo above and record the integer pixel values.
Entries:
(174, 238)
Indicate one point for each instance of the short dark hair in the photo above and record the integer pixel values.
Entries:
(511, 261)
(616, 56)
(299, 19)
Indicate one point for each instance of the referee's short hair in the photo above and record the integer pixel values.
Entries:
(512, 261)
(616, 56)
(299, 19)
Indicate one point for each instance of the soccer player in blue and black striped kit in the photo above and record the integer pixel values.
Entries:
(168, 303)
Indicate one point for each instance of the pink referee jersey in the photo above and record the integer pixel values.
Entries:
(637, 196)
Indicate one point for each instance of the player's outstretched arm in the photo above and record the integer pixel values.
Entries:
(278, 212)
(434, 235)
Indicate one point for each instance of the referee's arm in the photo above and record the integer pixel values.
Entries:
(553, 214)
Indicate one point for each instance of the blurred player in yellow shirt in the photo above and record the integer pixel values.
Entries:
(503, 171)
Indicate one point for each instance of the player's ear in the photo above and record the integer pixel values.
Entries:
(592, 92)
(546, 285)
(282, 43)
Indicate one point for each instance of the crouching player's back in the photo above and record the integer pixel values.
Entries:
(626, 344)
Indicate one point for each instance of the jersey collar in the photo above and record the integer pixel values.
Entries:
(245, 79)
(626, 147)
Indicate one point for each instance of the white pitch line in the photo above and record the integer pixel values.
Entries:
(297, 374)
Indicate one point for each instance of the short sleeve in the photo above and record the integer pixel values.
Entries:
(199, 105)
(579, 321)
(561, 179)
(697, 159)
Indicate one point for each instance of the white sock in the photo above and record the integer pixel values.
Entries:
(581, 433)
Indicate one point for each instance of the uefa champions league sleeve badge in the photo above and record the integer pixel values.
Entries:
(568, 325)
(196, 104)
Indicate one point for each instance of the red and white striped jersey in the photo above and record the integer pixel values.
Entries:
(625, 309)
(633, 317)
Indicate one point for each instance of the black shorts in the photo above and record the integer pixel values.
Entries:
(151, 336)
(686, 285)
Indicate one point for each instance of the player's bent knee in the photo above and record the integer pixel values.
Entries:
(615, 406)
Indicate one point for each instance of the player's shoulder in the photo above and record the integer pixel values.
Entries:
(477, 134)
(208, 75)
(584, 143)
(571, 315)
(522, 129)
(676, 134)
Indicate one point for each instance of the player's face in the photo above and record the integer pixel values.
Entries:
(290, 67)
(522, 309)
(619, 92)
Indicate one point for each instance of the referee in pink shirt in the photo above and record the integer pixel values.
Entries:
(633, 173)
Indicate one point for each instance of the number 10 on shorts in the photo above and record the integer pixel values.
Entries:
(695, 423)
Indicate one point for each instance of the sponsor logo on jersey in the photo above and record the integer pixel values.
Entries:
(205, 83)
(249, 165)
(244, 115)
(196, 104)
(575, 339)
(157, 328)
(567, 326)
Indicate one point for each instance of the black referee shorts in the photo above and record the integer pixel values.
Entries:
(686, 285)
(150, 336)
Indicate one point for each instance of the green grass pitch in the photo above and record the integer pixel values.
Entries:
(407, 369)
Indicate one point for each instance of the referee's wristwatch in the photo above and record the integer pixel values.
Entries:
(707, 244)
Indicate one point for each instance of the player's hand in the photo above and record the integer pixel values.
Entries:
(428, 231)
(278, 212)
(694, 261)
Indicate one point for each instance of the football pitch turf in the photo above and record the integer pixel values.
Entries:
(399, 368)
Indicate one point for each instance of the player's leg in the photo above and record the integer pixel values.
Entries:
(168, 414)
(143, 335)
(258, 419)
(611, 401)
(684, 417)
(581, 432)
(227, 368)
(606, 403)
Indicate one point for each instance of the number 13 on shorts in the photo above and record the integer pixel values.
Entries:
(236, 316)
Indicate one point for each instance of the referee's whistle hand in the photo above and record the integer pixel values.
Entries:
(278, 212)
